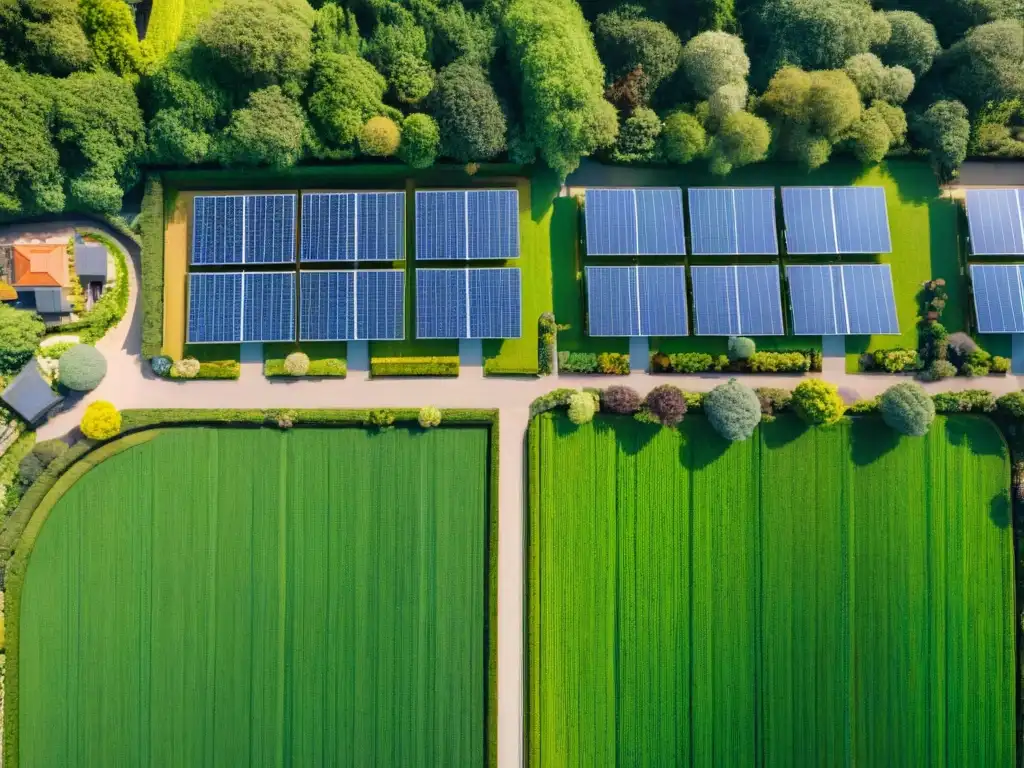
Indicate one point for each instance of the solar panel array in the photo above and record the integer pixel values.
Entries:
(996, 222)
(346, 305)
(467, 224)
(999, 297)
(636, 301)
(468, 303)
(737, 222)
(243, 229)
(353, 226)
(823, 220)
(635, 222)
(241, 307)
(842, 300)
(737, 300)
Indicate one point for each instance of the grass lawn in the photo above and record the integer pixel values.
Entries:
(254, 597)
(173, 20)
(807, 597)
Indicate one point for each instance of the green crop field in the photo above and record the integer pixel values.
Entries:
(805, 598)
(254, 597)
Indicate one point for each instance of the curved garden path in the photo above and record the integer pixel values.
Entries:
(129, 385)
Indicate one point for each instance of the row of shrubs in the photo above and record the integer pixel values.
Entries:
(298, 364)
(151, 294)
(757, 362)
(548, 332)
(614, 363)
(978, 362)
(414, 366)
(191, 368)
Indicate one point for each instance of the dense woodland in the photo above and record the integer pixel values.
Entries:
(84, 106)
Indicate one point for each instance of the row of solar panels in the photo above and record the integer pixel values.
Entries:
(828, 300)
(348, 305)
(729, 222)
(354, 226)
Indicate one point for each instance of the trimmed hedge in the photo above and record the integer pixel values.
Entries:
(151, 221)
(328, 366)
(611, 363)
(414, 366)
(218, 369)
(758, 362)
(546, 344)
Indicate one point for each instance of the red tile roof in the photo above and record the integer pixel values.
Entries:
(40, 266)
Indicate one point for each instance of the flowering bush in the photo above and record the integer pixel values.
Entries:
(101, 421)
(581, 407)
(429, 417)
(818, 402)
(296, 364)
(186, 368)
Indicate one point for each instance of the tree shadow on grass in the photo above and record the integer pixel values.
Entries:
(870, 440)
(784, 429)
(999, 510)
(702, 447)
(975, 433)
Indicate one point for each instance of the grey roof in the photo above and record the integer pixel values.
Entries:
(90, 261)
(29, 395)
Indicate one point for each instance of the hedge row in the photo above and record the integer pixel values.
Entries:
(136, 419)
(217, 369)
(151, 221)
(110, 309)
(9, 463)
(614, 363)
(759, 362)
(414, 366)
(328, 366)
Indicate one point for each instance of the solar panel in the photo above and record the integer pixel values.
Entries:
(214, 307)
(737, 300)
(380, 304)
(823, 220)
(468, 303)
(636, 301)
(467, 224)
(353, 226)
(270, 229)
(631, 222)
(442, 309)
(380, 230)
(998, 297)
(268, 307)
(732, 221)
(995, 221)
(842, 300)
(662, 292)
(327, 305)
(495, 304)
(218, 229)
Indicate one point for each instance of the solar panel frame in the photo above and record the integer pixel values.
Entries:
(995, 221)
(215, 307)
(380, 304)
(644, 221)
(270, 229)
(495, 301)
(268, 308)
(218, 230)
(998, 297)
(828, 220)
(442, 306)
(737, 300)
(733, 221)
(617, 309)
(842, 300)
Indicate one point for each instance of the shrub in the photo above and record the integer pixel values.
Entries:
(773, 400)
(614, 363)
(960, 347)
(906, 408)
(741, 348)
(421, 141)
(940, 369)
(577, 362)
(429, 417)
(151, 223)
(381, 418)
(546, 344)
(101, 421)
(690, 362)
(818, 402)
(379, 137)
(999, 364)
(186, 368)
(556, 398)
(977, 363)
(82, 368)
(1012, 404)
(864, 406)
(55, 351)
(694, 401)
(414, 366)
(581, 408)
(733, 410)
(161, 365)
(779, 362)
(296, 364)
(683, 138)
(620, 399)
(39, 458)
(966, 401)
(898, 360)
(665, 404)
(20, 332)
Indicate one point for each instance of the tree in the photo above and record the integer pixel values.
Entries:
(627, 39)
(101, 421)
(907, 408)
(987, 65)
(620, 399)
(335, 30)
(421, 140)
(398, 51)
(713, 59)
(818, 402)
(110, 28)
(460, 34)
(581, 408)
(733, 410)
(44, 36)
(913, 43)
(20, 332)
(564, 113)
(740, 347)
(665, 404)
(380, 137)
(683, 138)
(944, 130)
(742, 139)
(267, 131)
(638, 137)
(468, 114)
(82, 368)
(833, 103)
(870, 137)
(630, 91)
(346, 92)
(895, 119)
(867, 73)
(897, 85)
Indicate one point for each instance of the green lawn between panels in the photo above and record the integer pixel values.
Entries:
(808, 597)
(256, 597)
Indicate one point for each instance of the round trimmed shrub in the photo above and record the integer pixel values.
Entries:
(82, 368)
(907, 408)
(101, 421)
(733, 410)
(620, 399)
(429, 417)
(186, 368)
(740, 347)
(940, 369)
(818, 402)
(296, 364)
(379, 137)
(161, 365)
(581, 408)
(666, 404)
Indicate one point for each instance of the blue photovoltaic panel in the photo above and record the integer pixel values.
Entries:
(662, 292)
(631, 222)
(842, 300)
(495, 304)
(327, 305)
(380, 220)
(737, 300)
(268, 312)
(214, 307)
(328, 231)
(269, 229)
(612, 301)
(380, 304)
(733, 222)
(823, 220)
(441, 225)
(493, 223)
(218, 227)
(995, 222)
(998, 297)
(442, 307)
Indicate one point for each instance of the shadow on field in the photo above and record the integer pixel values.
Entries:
(703, 449)
(870, 440)
(977, 434)
(999, 509)
(783, 430)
